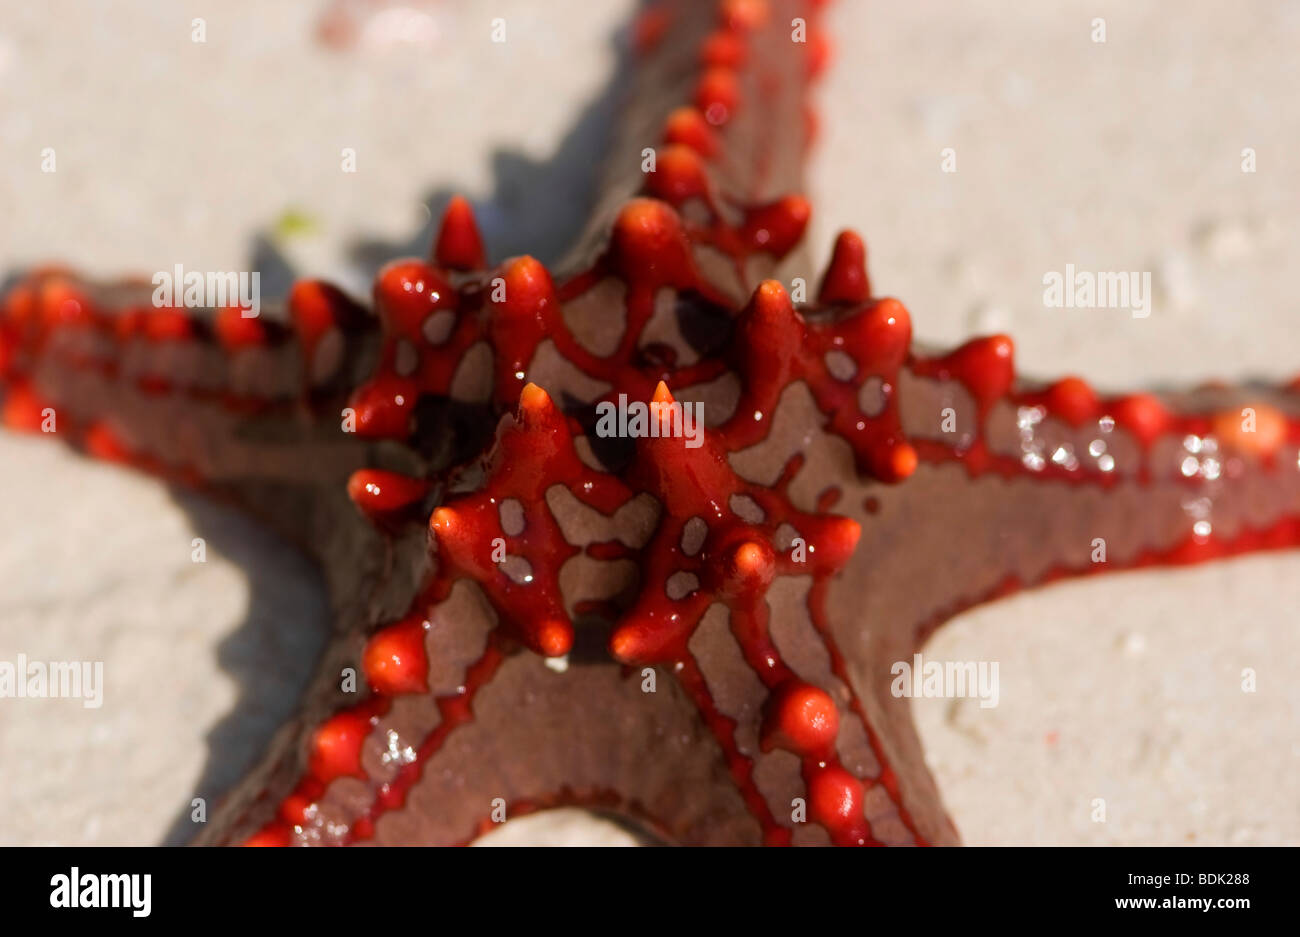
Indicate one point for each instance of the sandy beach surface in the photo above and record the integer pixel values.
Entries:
(1116, 155)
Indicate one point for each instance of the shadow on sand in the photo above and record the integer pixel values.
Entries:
(536, 207)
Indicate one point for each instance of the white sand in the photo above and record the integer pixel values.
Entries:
(1120, 156)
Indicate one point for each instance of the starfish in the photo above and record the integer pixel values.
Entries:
(653, 534)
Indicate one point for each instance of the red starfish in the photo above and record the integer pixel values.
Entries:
(695, 630)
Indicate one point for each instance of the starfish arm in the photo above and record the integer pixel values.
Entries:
(248, 408)
(1033, 481)
(717, 110)
(1017, 484)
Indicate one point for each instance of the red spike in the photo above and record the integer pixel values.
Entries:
(777, 227)
(101, 442)
(315, 307)
(527, 453)
(724, 50)
(1073, 401)
(167, 325)
(1268, 433)
(820, 52)
(902, 463)
(644, 641)
(771, 327)
(544, 427)
(679, 175)
(539, 416)
(649, 28)
(520, 320)
(835, 801)
(717, 95)
(846, 277)
(879, 336)
(800, 718)
(770, 335)
(661, 412)
(748, 569)
(687, 126)
(377, 492)
(445, 529)
(529, 290)
(1143, 415)
(885, 330)
(384, 407)
(534, 400)
(23, 408)
(744, 15)
(771, 305)
(665, 462)
(336, 746)
(984, 366)
(293, 809)
(407, 292)
(459, 246)
(63, 303)
(838, 536)
(553, 638)
(649, 247)
(395, 660)
(236, 331)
